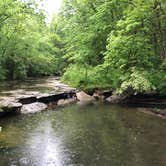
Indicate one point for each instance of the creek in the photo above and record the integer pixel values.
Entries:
(83, 135)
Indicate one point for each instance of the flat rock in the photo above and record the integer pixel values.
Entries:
(63, 102)
(14, 105)
(9, 106)
(26, 99)
(114, 99)
(48, 98)
(33, 108)
(5, 99)
(83, 97)
(22, 97)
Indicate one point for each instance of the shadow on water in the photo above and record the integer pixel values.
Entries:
(84, 135)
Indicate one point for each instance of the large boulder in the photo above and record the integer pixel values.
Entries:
(63, 102)
(114, 99)
(33, 108)
(83, 97)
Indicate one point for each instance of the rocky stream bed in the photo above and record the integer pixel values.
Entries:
(36, 95)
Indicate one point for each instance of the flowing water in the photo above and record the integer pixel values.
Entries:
(83, 135)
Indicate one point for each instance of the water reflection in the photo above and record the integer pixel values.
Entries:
(92, 135)
(45, 147)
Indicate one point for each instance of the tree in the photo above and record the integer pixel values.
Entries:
(120, 43)
(26, 48)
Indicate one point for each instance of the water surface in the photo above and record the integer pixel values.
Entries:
(83, 135)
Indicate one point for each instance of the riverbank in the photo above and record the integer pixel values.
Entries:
(37, 95)
(154, 101)
(34, 95)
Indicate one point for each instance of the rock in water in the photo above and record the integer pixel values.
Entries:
(33, 108)
(114, 99)
(83, 97)
(63, 102)
(8, 106)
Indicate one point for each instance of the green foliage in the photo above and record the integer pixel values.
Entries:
(85, 78)
(137, 81)
(95, 43)
(162, 78)
(114, 43)
(2, 73)
(42, 65)
(26, 47)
